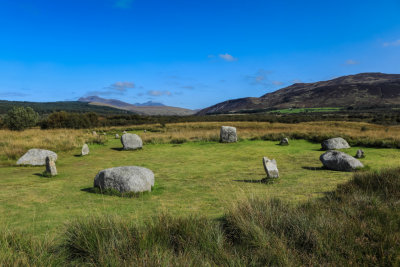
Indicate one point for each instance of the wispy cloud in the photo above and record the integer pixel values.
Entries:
(189, 87)
(296, 81)
(13, 94)
(121, 86)
(352, 62)
(227, 57)
(394, 43)
(123, 4)
(277, 83)
(117, 88)
(159, 93)
(260, 77)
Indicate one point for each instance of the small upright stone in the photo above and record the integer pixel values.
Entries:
(124, 132)
(116, 136)
(104, 134)
(85, 149)
(131, 141)
(360, 154)
(270, 167)
(94, 133)
(144, 131)
(284, 142)
(228, 134)
(51, 169)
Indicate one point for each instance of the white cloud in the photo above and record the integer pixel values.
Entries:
(227, 57)
(352, 62)
(159, 93)
(394, 43)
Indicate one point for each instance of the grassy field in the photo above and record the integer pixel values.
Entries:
(191, 178)
(301, 110)
(199, 182)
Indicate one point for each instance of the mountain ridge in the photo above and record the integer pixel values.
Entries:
(363, 89)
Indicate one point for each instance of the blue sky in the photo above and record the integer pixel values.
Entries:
(188, 53)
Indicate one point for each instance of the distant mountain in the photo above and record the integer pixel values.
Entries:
(360, 90)
(117, 103)
(148, 108)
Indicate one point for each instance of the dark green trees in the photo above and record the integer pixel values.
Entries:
(20, 118)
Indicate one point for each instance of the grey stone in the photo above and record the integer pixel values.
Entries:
(334, 143)
(51, 166)
(104, 133)
(124, 132)
(144, 131)
(339, 161)
(116, 136)
(125, 179)
(284, 142)
(271, 167)
(85, 149)
(228, 134)
(360, 154)
(131, 141)
(94, 133)
(36, 157)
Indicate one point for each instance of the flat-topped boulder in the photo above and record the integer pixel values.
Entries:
(36, 157)
(125, 179)
(228, 134)
(131, 141)
(340, 161)
(335, 143)
(271, 167)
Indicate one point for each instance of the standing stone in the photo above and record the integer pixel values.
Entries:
(228, 134)
(125, 179)
(116, 136)
(85, 149)
(284, 142)
(270, 168)
(124, 132)
(94, 133)
(144, 131)
(131, 141)
(360, 154)
(339, 161)
(36, 157)
(334, 143)
(104, 134)
(50, 166)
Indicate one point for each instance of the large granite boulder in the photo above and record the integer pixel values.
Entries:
(270, 167)
(51, 169)
(339, 161)
(228, 134)
(125, 179)
(85, 150)
(334, 143)
(131, 141)
(36, 157)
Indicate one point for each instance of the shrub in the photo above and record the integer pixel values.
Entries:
(20, 118)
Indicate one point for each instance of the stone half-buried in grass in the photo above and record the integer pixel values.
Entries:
(125, 179)
(36, 157)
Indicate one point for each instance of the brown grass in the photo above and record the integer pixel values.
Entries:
(14, 144)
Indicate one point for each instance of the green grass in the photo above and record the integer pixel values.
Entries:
(192, 178)
(302, 110)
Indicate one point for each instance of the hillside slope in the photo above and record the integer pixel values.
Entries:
(360, 90)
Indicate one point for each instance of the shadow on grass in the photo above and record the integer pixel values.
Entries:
(155, 190)
(43, 175)
(122, 149)
(314, 168)
(265, 180)
(117, 148)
